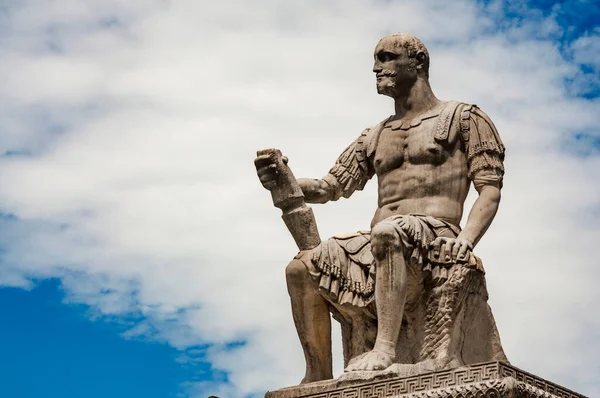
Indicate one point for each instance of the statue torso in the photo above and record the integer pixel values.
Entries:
(418, 173)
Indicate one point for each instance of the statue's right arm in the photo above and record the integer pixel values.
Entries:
(319, 190)
(350, 173)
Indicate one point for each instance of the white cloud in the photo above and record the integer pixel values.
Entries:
(586, 49)
(143, 118)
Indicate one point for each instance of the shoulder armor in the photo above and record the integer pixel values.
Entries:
(361, 149)
(442, 130)
(375, 132)
(465, 115)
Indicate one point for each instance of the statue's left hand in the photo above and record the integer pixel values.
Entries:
(451, 249)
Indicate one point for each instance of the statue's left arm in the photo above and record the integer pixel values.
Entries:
(485, 157)
(485, 161)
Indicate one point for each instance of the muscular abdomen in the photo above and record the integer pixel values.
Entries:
(437, 187)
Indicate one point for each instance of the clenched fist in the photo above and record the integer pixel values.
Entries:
(267, 167)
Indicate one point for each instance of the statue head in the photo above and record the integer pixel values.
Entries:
(400, 59)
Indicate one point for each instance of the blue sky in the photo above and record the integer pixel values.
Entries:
(127, 174)
(54, 349)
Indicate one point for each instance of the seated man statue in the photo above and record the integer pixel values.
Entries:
(408, 293)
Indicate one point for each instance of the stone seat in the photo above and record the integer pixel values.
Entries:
(449, 324)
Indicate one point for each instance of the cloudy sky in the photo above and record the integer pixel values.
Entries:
(139, 255)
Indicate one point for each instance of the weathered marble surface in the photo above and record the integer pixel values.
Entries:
(486, 380)
(409, 293)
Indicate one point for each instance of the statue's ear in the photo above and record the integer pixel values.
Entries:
(421, 59)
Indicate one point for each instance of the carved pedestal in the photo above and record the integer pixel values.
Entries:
(486, 380)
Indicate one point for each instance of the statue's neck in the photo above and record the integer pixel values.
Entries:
(416, 100)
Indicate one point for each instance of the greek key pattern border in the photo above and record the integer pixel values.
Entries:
(492, 389)
(530, 385)
(491, 379)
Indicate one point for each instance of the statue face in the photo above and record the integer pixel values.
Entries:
(394, 69)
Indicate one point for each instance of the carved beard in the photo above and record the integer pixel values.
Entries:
(386, 84)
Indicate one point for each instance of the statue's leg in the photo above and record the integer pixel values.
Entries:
(390, 296)
(313, 323)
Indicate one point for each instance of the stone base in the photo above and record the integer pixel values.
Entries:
(485, 380)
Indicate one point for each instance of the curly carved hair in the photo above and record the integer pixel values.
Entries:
(413, 47)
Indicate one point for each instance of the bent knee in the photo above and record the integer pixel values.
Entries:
(295, 271)
(385, 232)
(384, 237)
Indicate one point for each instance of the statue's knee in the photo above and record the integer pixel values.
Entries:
(295, 272)
(386, 233)
(384, 236)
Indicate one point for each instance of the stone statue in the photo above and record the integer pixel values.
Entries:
(409, 294)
